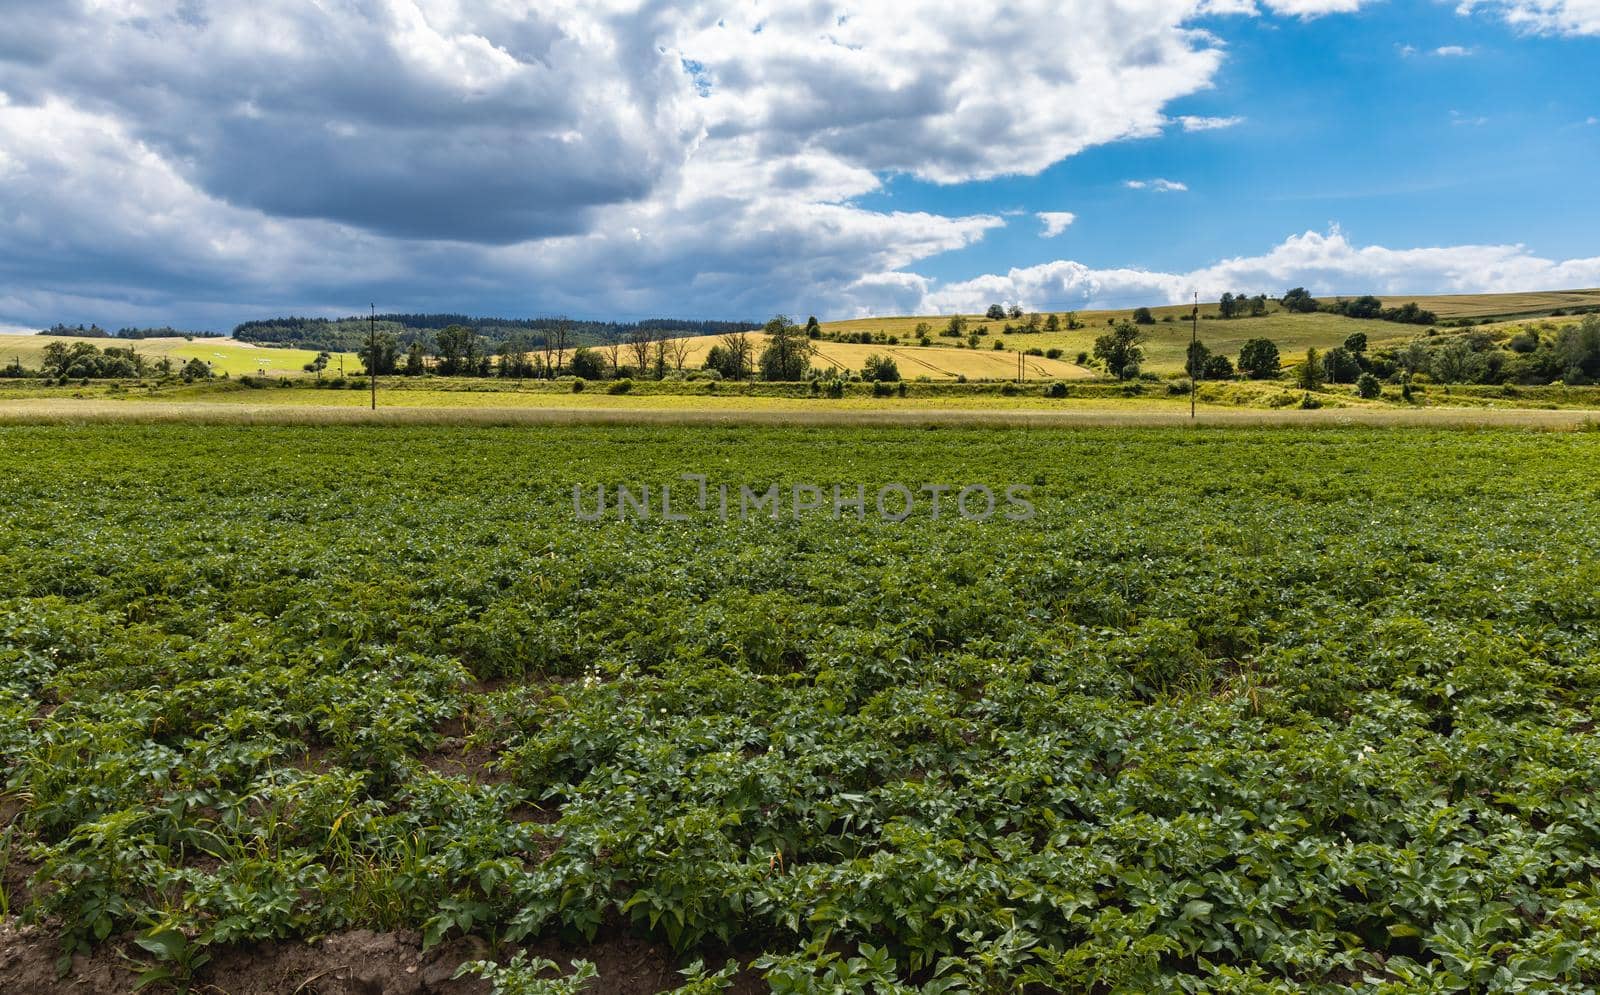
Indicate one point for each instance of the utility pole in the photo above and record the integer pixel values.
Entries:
(372, 354)
(1194, 340)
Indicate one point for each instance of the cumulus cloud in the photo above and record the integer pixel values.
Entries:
(1158, 186)
(1454, 51)
(200, 162)
(1056, 222)
(1560, 17)
(597, 155)
(1325, 263)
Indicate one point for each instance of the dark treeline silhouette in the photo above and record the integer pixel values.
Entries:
(350, 334)
(94, 331)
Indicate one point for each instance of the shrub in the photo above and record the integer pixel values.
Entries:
(621, 386)
(1052, 353)
(1368, 386)
(880, 368)
(588, 364)
(835, 388)
(1309, 402)
(882, 388)
(1057, 389)
(577, 385)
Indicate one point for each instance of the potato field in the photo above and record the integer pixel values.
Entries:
(1235, 710)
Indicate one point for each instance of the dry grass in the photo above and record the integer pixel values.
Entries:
(933, 362)
(1501, 305)
(1105, 414)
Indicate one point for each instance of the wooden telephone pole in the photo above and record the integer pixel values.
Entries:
(1194, 340)
(372, 354)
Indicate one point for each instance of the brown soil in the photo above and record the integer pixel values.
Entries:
(354, 963)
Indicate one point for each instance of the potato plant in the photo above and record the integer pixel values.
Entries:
(1238, 711)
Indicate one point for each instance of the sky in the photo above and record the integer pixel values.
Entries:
(197, 164)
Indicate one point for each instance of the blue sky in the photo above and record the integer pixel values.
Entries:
(199, 163)
(1353, 120)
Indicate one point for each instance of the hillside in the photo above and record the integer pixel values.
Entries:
(225, 355)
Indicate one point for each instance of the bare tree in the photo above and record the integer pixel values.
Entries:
(563, 332)
(613, 346)
(640, 343)
(740, 352)
(547, 346)
(679, 347)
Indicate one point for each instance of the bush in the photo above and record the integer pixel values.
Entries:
(1368, 386)
(1057, 389)
(882, 388)
(1142, 316)
(1052, 354)
(588, 364)
(835, 388)
(1010, 390)
(1309, 403)
(880, 368)
(577, 385)
(620, 387)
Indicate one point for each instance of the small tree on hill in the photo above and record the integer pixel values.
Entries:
(1258, 359)
(1142, 316)
(1309, 375)
(1119, 349)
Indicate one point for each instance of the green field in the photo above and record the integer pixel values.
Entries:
(225, 355)
(1235, 711)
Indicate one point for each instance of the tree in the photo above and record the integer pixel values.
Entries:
(381, 356)
(1368, 386)
(641, 341)
(1015, 312)
(813, 328)
(1341, 365)
(1052, 323)
(1310, 373)
(996, 312)
(563, 336)
(1142, 316)
(1298, 301)
(452, 345)
(678, 349)
(1120, 349)
(1356, 342)
(738, 355)
(197, 369)
(1258, 305)
(414, 365)
(613, 339)
(1456, 363)
(1258, 359)
(588, 364)
(317, 365)
(957, 326)
(1199, 357)
(785, 357)
(879, 368)
(1226, 307)
(1219, 367)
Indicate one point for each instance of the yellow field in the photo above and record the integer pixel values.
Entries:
(933, 362)
(225, 355)
(1501, 305)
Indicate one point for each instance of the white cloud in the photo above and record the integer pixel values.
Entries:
(1453, 51)
(1056, 222)
(1593, 121)
(1557, 17)
(1326, 264)
(1406, 51)
(1157, 186)
(1307, 9)
(1461, 120)
(1192, 123)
